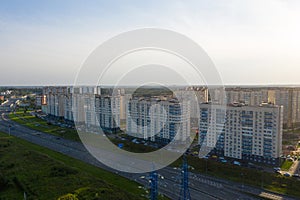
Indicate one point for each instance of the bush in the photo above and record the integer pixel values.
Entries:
(3, 182)
(68, 197)
(61, 171)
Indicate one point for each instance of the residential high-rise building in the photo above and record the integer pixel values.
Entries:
(248, 96)
(68, 105)
(238, 131)
(55, 101)
(89, 106)
(77, 102)
(158, 119)
(194, 95)
(95, 106)
(107, 110)
(289, 98)
(38, 100)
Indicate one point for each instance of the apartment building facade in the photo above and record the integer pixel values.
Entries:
(107, 111)
(194, 95)
(288, 97)
(252, 133)
(55, 97)
(248, 96)
(85, 105)
(158, 119)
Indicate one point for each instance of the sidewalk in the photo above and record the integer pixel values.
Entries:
(294, 168)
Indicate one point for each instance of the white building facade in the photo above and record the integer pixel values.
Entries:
(158, 119)
(251, 133)
(107, 112)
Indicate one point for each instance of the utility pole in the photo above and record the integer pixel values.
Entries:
(185, 192)
(153, 185)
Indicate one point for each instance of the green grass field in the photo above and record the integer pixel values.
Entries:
(26, 119)
(286, 165)
(35, 123)
(44, 174)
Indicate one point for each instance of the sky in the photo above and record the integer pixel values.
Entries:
(249, 41)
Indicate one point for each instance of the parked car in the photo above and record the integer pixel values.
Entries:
(206, 157)
(287, 174)
(237, 163)
(276, 168)
(296, 175)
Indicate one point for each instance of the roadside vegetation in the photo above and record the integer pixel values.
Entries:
(286, 165)
(39, 173)
(33, 122)
(269, 181)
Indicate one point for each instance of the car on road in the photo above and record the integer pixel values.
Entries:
(237, 163)
(296, 175)
(286, 174)
(276, 169)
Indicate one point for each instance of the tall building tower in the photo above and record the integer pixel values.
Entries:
(289, 98)
(107, 109)
(158, 119)
(54, 101)
(248, 132)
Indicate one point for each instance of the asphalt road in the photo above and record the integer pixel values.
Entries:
(201, 186)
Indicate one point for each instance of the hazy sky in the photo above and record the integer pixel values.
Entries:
(250, 42)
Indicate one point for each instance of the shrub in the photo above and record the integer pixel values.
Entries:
(60, 171)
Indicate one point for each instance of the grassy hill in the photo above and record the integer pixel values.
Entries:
(40, 173)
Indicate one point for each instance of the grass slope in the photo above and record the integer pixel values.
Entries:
(35, 123)
(44, 174)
